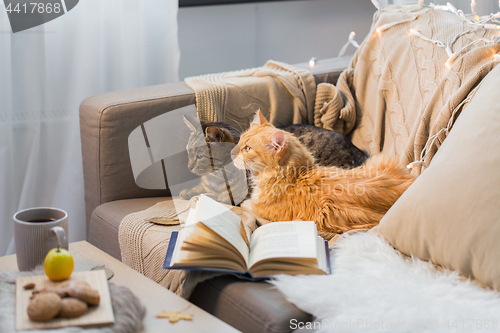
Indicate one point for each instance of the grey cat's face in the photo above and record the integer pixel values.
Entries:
(209, 147)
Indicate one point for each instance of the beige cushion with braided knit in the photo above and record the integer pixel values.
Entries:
(402, 90)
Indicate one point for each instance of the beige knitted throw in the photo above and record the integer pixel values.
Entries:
(400, 87)
(283, 93)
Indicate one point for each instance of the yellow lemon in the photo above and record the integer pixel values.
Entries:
(58, 264)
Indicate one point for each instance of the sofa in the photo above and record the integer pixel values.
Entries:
(111, 193)
(396, 88)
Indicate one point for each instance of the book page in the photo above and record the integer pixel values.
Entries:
(223, 221)
(322, 264)
(185, 232)
(295, 239)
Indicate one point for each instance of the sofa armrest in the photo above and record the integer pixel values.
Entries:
(106, 121)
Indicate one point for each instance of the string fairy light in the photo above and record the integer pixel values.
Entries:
(446, 130)
(387, 26)
(451, 59)
(439, 7)
(475, 25)
(473, 7)
(377, 5)
(452, 8)
(421, 3)
(434, 41)
(455, 55)
(350, 41)
(491, 26)
(312, 61)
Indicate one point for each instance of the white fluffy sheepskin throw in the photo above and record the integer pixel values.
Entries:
(374, 288)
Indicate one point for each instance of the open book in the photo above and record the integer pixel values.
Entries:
(215, 239)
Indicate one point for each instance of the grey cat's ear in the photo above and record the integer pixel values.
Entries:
(214, 134)
(277, 142)
(259, 119)
(192, 123)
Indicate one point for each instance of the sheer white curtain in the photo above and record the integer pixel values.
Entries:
(46, 72)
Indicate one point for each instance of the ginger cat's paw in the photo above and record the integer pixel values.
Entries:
(247, 204)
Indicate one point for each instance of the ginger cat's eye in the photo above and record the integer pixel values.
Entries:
(246, 149)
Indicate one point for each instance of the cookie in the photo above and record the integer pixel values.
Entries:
(88, 295)
(72, 307)
(44, 306)
(56, 289)
(75, 283)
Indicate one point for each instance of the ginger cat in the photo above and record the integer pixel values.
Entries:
(287, 185)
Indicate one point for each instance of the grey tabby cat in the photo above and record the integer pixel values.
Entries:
(209, 150)
(209, 154)
(329, 148)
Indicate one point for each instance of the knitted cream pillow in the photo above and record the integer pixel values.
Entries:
(451, 214)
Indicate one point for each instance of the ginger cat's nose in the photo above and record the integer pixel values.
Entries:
(235, 151)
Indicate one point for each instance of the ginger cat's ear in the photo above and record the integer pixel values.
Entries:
(277, 142)
(259, 119)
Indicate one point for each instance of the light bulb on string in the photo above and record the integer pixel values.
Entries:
(452, 8)
(473, 7)
(439, 7)
(491, 26)
(383, 28)
(415, 33)
(350, 41)
(450, 60)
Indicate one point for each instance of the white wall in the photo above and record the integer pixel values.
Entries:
(483, 7)
(230, 37)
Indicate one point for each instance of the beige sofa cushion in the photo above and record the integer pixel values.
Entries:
(451, 214)
(105, 221)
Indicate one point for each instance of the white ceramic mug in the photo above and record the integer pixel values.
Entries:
(36, 232)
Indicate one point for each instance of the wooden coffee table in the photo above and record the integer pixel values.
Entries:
(155, 297)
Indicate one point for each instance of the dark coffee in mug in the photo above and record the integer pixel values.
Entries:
(41, 220)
